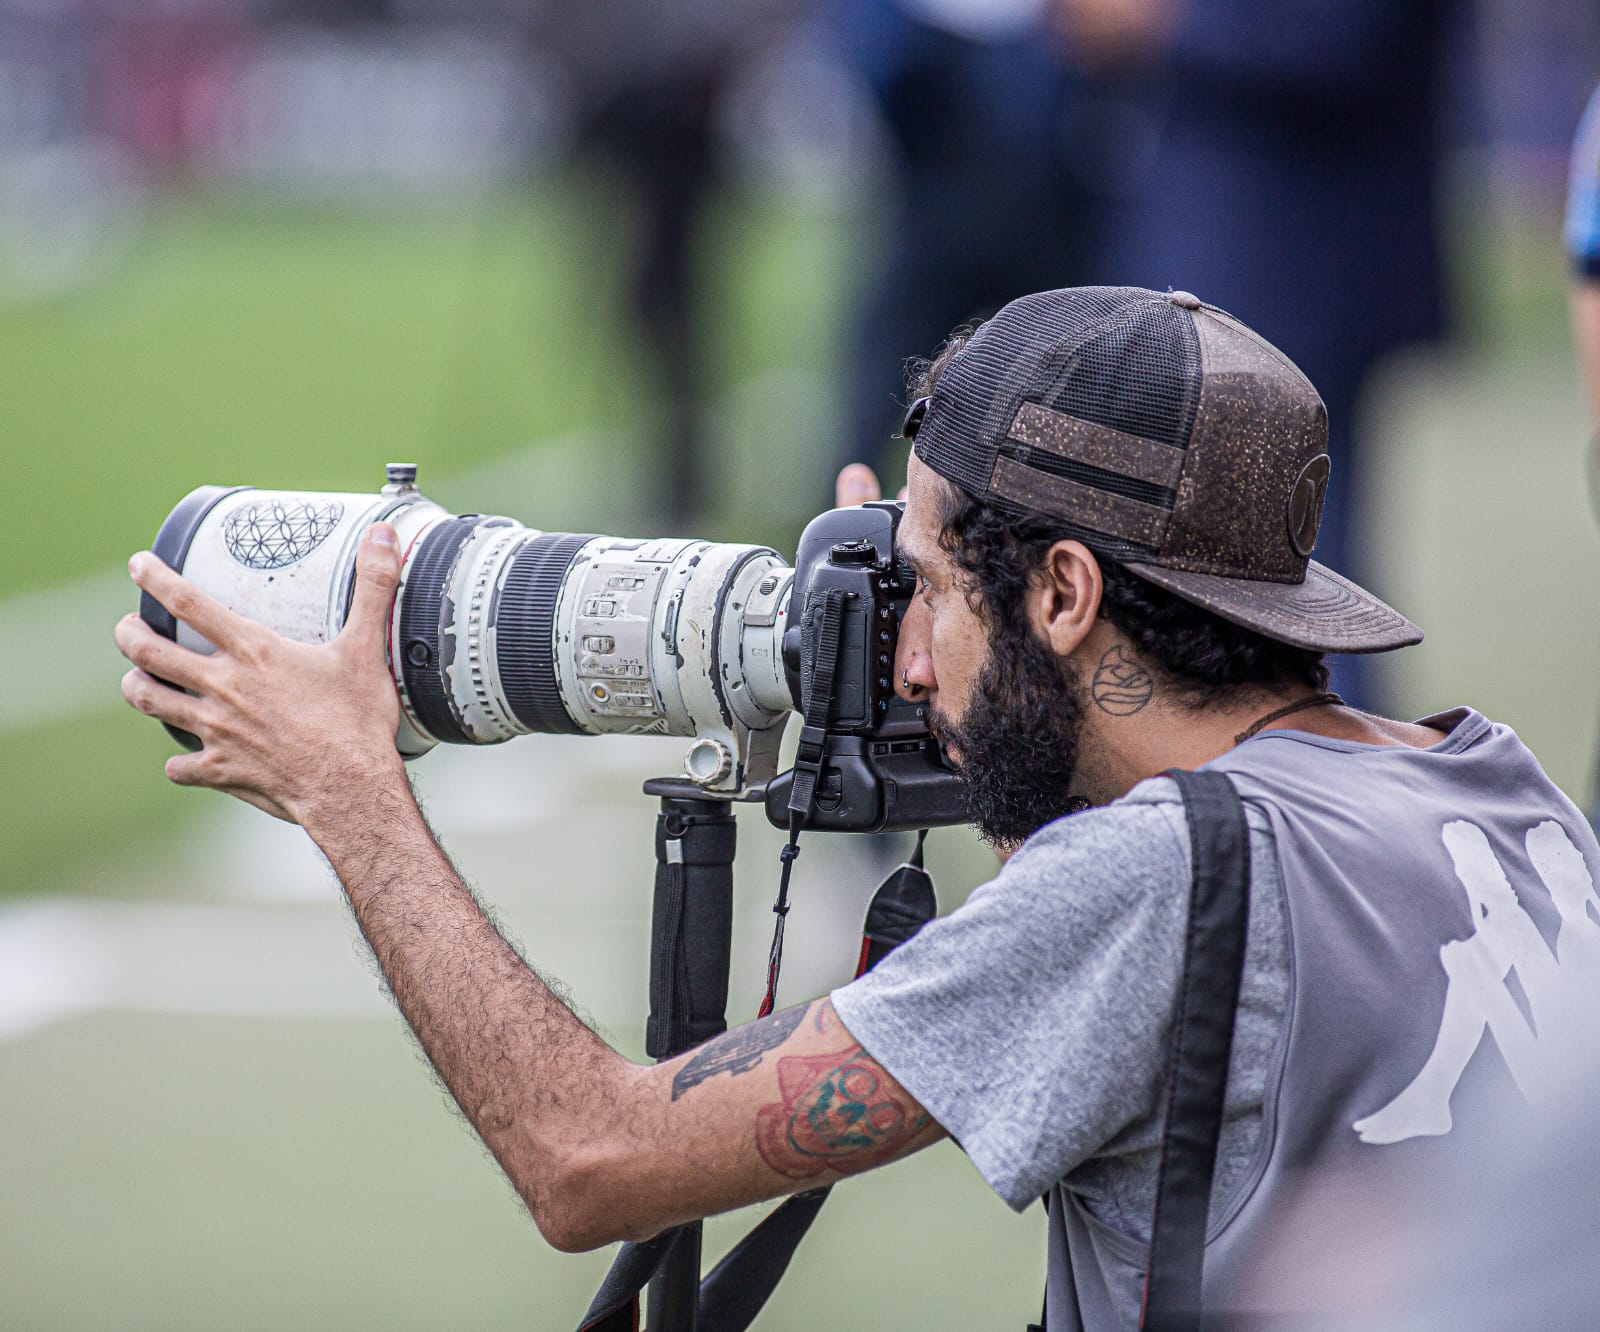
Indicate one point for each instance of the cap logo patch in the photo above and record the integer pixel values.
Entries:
(1305, 504)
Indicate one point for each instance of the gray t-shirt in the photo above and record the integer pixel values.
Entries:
(1396, 894)
(1032, 1023)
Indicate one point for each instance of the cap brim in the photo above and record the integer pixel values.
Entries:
(1325, 613)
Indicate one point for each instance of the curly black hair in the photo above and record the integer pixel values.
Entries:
(1201, 655)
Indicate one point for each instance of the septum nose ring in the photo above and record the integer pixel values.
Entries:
(905, 681)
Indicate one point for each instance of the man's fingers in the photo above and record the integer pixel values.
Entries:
(203, 614)
(377, 576)
(160, 701)
(857, 484)
(159, 656)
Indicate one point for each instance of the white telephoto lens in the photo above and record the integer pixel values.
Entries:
(501, 630)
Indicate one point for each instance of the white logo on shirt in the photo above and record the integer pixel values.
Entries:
(1558, 984)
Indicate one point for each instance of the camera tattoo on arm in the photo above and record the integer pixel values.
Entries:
(737, 1052)
(1121, 686)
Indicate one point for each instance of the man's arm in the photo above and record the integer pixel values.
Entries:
(598, 1147)
(1586, 336)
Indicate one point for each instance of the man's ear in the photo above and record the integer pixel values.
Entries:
(1064, 602)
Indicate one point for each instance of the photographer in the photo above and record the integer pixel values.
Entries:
(1112, 501)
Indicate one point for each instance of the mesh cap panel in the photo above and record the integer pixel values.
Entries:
(1121, 357)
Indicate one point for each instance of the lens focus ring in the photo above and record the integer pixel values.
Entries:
(424, 615)
(524, 617)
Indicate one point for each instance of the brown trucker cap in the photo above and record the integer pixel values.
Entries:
(1163, 434)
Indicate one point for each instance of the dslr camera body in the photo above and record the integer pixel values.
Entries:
(501, 630)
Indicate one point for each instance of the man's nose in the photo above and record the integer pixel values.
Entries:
(913, 661)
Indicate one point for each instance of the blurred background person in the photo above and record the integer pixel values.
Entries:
(1581, 235)
(1291, 176)
(648, 84)
(995, 188)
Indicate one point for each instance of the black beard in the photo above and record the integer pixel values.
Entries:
(1016, 746)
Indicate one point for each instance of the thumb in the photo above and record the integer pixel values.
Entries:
(377, 576)
(857, 484)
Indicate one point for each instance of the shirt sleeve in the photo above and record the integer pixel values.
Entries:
(1032, 1022)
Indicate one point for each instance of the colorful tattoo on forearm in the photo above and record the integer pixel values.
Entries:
(837, 1113)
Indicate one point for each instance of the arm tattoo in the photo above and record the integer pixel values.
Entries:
(1121, 686)
(836, 1113)
(736, 1052)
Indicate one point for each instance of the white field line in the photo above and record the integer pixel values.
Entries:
(279, 942)
(552, 830)
(63, 957)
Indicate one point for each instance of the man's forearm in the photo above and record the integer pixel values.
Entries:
(1586, 333)
(540, 1088)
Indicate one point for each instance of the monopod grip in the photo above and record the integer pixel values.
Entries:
(691, 925)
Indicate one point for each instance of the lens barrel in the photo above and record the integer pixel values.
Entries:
(521, 613)
(498, 630)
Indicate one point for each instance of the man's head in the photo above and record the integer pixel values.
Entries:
(1113, 495)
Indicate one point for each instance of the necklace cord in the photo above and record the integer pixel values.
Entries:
(1261, 723)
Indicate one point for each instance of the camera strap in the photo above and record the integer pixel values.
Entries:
(809, 757)
(819, 689)
(903, 904)
(1202, 1041)
(736, 1289)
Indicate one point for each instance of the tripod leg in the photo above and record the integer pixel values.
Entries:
(691, 941)
(675, 1290)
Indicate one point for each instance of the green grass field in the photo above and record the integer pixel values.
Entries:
(308, 1175)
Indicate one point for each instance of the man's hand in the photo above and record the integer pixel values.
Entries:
(858, 484)
(303, 731)
(1109, 34)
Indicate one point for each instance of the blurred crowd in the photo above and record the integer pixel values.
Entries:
(1284, 163)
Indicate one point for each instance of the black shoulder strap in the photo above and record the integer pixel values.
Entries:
(1202, 1037)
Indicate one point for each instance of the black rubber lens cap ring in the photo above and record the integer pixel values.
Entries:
(171, 547)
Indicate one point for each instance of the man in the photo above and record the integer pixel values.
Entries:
(1111, 503)
(1581, 233)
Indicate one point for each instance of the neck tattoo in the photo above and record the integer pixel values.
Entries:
(1261, 723)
